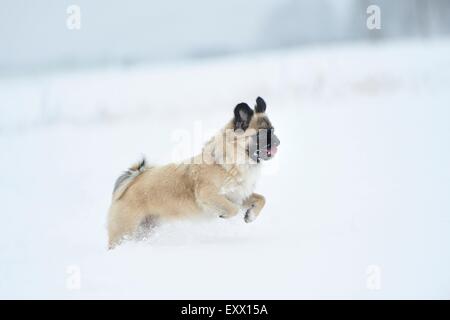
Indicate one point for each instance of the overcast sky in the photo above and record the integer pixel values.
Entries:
(35, 32)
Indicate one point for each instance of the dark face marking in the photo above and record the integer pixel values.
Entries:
(264, 144)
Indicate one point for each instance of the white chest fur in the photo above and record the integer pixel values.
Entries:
(241, 186)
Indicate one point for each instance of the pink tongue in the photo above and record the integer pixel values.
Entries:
(273, 150)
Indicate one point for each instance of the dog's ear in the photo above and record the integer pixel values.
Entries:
(260, 105)
(242, 116)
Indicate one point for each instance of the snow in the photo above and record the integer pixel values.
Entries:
(361, 179)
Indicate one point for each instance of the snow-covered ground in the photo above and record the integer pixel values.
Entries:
(358, 198)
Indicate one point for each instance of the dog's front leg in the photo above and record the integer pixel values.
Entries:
(254, 205)
(213, 201)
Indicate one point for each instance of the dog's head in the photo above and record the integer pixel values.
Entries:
(254, 124)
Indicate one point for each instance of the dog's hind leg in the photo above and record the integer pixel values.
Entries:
(254, 205)
(121, 224)
(147, 225)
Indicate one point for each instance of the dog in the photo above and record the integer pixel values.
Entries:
(218, 182)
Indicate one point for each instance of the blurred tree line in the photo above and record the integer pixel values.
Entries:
(307, 21)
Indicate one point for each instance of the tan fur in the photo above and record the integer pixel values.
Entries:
(203, 186)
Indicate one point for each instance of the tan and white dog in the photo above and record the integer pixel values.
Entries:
(219, 181)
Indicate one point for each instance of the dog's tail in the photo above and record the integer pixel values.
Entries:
(126, 178)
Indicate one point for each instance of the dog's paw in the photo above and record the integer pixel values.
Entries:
(250, 216)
